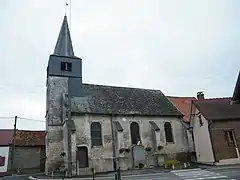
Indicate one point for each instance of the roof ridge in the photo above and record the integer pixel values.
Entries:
(181, 97)
(217, 98)
(124, 87)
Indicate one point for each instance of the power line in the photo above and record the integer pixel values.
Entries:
(29, 119)
(6, 117)
(23, 118)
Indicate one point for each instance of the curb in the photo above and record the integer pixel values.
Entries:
(97, 177)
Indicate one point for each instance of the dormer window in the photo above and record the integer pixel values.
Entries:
(66, 66)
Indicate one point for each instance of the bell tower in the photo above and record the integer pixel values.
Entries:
(64, 76)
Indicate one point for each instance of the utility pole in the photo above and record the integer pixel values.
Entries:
(13, 144)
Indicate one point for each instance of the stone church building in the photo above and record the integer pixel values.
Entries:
(94, 126)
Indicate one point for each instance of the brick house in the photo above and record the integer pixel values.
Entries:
(29, 156)
(30, 151)
(6, 136)
(216, 128)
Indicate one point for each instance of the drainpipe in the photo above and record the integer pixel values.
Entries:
(210, 135)
(113, 146)
(69, 137)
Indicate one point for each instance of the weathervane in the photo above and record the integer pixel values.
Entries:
(66, 9)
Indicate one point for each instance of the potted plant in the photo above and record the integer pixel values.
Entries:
(127, 150)
(159, 147)
(148, 149)
(121, 150)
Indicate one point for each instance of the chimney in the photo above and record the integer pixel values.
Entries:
(200, 95)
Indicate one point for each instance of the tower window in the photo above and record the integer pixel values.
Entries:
(66, 66)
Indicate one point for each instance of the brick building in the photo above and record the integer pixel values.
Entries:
(29, 155)
(216, 125)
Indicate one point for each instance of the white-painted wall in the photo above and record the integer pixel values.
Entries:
(202, 141)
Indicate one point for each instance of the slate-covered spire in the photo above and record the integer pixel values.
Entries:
(64, 43)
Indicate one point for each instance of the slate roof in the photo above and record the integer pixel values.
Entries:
(30, 138)
(64, 43)
(218, 109)
(183, 104)
(100, 99)
(236, 94)
(6, 136)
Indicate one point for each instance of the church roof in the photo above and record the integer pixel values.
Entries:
(98, 99)
(64, 43)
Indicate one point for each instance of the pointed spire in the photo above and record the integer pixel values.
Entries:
(64, 43)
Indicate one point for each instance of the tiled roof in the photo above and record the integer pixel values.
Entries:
(218, 109)
(183, 104)
(123, 100)
(30, 138)
(6, 136)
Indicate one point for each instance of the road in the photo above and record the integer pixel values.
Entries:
(194, 174)
(227, 173)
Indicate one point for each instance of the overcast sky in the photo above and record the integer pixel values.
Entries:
(179, 47)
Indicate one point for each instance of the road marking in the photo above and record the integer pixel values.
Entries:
(198, 174)
(213, 177)
(184, 170)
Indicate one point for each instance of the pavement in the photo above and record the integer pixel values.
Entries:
(220, 173)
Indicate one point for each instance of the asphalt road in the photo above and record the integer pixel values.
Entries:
(195, 174)
(227, 173)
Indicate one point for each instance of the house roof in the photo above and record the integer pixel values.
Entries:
(30, 138)
(218, 109)
(183, 104)
(98, 99)
(6, 136)
(236, 94)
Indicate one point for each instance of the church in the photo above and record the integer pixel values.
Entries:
(105, 127)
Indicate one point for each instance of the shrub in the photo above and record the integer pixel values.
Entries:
(141, 165)
(169, 163)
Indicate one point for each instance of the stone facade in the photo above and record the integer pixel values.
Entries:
(101, 158)
(56, 87)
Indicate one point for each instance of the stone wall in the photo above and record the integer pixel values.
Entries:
(56, 86)
(101, 157)
(28, 159)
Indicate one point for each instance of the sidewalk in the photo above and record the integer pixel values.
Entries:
(110, 174)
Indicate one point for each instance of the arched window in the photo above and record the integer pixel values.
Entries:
(135, 135)
(168, 132)
(96, 134)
